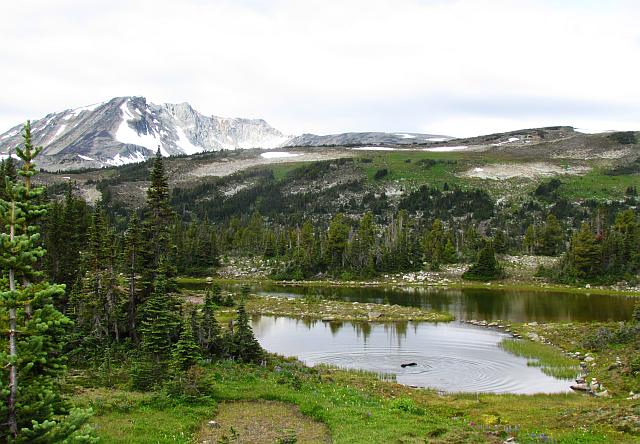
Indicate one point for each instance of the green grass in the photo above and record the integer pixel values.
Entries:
(357, 408)
(550, 359)
(596, 185)
(133, 417)
(412, 172)
(281, 170)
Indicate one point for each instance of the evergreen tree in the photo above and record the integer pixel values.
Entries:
(500, 242)
(156, 229)
(336, 244)
(159, 321)
(243, 344)
(210, 336)
(552, 237)
(132, 263)
(186, 352)
(100, 303)
(486, 266)
(32, 363)
(583, 257)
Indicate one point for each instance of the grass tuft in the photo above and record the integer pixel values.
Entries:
(551, 360)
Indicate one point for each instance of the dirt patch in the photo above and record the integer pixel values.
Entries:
(524, 170)
(260, 422)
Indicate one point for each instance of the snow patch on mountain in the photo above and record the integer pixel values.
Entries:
(119, 160)
(185, 144)
(278, 155)
(126, 134)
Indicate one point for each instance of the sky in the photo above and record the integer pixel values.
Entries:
(457, 68)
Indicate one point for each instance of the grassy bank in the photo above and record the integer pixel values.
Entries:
(317, 308)
(608, 350)
(356, 407)
(550, 360)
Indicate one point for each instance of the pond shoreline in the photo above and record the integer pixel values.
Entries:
(452, 285)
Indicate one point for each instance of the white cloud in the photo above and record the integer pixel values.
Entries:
(318, 66)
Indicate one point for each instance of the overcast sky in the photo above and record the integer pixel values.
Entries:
(435, 66)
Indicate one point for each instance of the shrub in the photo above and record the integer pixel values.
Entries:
(191, 385)
(407, 405)
(381, 173)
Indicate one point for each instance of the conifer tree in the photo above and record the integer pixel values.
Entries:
(210, 337)
(552, 236)
(159, 320)
(583, 257)
(244, 346)
(100, 303)
(32, 363)
(132, 260)
(336, 244)
(186, 352)
(486, 266)
(156, 229)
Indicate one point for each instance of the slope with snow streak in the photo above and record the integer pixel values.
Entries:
(128, 135)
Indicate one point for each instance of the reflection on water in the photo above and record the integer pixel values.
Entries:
(450, 356)
(489, 304)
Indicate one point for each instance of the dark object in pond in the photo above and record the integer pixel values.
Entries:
(411, 364)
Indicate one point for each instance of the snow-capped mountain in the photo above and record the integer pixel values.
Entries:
(130, 129)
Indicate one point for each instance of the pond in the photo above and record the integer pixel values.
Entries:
(452, 357)
(480, 304)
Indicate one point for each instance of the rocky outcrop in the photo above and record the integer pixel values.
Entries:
(365, 138)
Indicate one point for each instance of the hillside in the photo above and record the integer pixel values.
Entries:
(589, 166)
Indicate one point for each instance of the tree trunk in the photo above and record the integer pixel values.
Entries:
(132, 299)
(13, 353)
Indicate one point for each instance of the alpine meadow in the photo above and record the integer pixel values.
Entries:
(434, 239)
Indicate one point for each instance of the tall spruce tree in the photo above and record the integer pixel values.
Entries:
(159, 321)
(156, 231)
(132, 260)
(32, 362)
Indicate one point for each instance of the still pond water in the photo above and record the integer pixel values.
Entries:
(453, 357)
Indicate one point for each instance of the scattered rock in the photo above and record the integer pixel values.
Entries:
(213, 424)
(582, 387)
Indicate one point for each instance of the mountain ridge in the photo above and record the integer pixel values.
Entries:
(130, 129)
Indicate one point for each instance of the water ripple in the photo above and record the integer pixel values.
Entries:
(452, 357)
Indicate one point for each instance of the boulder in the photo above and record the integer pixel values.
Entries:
(582, 387)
